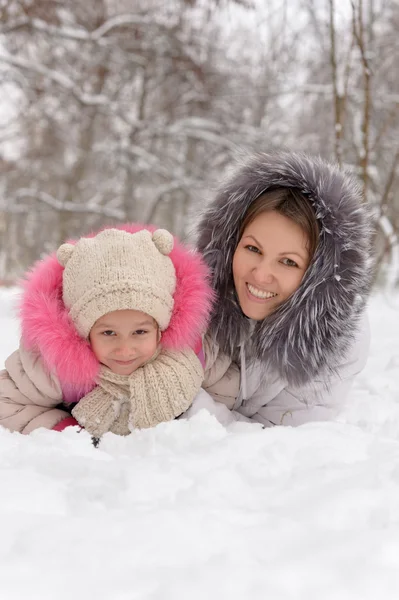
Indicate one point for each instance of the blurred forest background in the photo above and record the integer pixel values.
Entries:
(135, 110)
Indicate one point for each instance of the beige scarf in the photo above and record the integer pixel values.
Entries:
(160, 390)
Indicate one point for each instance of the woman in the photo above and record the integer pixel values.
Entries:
(288, 242)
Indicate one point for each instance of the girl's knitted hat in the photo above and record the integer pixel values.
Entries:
(117, 270)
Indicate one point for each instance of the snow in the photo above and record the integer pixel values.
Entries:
(192, 510)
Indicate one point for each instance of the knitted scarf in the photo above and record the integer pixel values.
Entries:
(160, 390)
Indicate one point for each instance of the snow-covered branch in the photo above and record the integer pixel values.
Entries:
(392, 267)
(125, 20)
(173, 186)
(81, 34)
(65, 82)
(201, 129)
(59, 205)
(59, 78)
(14, 25)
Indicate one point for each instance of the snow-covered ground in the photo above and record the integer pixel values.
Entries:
(190, 510)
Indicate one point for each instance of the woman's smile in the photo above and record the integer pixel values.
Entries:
(260, 295)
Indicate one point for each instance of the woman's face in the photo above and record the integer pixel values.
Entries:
(269, 263)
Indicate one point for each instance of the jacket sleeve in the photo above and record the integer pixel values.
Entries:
(204, 401)
(28, 394)
(320, 400)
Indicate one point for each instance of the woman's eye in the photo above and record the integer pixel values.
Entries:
(289, 262)
(252, 248)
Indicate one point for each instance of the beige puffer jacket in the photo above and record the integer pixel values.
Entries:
(28, 395)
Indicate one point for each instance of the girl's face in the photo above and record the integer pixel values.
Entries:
(269, 263)
(123, 340)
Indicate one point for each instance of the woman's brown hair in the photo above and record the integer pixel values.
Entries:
(291, 203)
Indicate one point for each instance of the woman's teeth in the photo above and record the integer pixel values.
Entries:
(259, 293)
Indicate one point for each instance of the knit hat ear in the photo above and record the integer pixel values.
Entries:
(64, 253)
(163, 240)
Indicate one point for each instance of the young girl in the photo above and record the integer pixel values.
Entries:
(109, 326)
(288, 243)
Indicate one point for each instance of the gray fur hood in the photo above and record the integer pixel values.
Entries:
(313, 329)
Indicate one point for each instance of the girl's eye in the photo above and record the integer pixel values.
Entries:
(289, 262)
(252, 248)
(108, 332)
(140, 332)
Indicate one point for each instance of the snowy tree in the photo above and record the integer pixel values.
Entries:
(114, 110)
(119, 118)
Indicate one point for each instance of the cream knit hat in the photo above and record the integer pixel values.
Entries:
(117, 270)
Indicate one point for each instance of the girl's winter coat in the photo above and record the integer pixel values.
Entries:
(298, 364)
(54, 367)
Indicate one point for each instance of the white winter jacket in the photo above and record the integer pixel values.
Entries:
(245, 393)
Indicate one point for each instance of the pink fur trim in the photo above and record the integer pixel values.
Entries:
(47, 328)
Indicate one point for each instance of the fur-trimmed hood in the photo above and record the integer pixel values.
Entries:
(47, 329)
(311, 330)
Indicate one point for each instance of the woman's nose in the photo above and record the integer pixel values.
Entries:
(264, 274)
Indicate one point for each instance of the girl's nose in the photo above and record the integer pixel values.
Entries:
(125, 349)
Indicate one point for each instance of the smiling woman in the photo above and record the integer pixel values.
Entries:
(288, 243)
(280, 228)
(269, 263)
